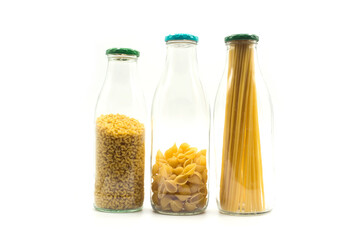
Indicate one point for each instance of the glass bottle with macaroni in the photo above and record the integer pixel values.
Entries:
(180, 121)
(120, 136)
(243, 132)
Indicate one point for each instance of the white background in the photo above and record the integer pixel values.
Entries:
(52, 58)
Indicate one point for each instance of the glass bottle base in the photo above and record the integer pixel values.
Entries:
(179, 213)
(244, 213)
(117, 210)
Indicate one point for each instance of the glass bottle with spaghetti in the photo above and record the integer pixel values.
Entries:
(243, 132)
(180, 120)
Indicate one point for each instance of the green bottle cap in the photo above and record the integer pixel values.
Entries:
(126, 51)
(242, 37)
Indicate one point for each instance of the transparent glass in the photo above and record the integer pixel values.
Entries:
(243, 134)
(180, 135)
(120, 138)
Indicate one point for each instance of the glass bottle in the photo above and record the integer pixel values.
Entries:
(180, 133)
(243, 132)
(120, 136)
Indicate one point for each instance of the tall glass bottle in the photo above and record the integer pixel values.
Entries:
(180, 133)
(243, 132)
(120, 136)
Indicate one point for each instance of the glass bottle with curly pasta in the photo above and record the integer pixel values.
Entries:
(120, 136)
(180, 133)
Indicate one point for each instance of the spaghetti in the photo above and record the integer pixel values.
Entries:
(241, 185)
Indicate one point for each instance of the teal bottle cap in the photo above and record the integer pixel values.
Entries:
(181, 36)
(242, 37)
(126, 51)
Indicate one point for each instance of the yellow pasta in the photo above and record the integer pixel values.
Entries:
(190, 206)
(202, 160)
(155, 198)
(201, 153)
(165, 171)
(203, 190)
(184, 146)
(182, 198)
(194, 188)
(170, 186)
(187, 162)
(176, 205)
(160, 158)
(184, 190)
(181, 158)
(196, 198)
(196, 178)
(202, 202)
(181, 179)
(120, 158)
(171, 151)
(155, 168)
(176, 171)
(200, 168)
(241, 186)
(189, 169)
(173, 162)
(204, 175)
(165, 202)
(178, 179)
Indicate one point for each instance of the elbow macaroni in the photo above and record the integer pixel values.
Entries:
(120, 157)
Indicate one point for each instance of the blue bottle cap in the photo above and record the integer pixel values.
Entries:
(181, 36)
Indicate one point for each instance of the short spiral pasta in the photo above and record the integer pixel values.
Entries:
(120, 158)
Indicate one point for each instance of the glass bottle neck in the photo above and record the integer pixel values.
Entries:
(241, 53)
(244, 43)
(121, 68)
(181, 60)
